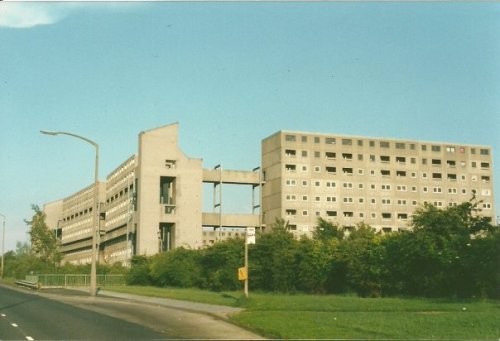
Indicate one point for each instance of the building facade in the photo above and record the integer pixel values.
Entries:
(153, 201)
(150, 203)
(349, 180)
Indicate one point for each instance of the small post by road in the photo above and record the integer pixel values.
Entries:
(249, 239)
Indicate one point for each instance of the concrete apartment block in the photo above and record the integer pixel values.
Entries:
(153, 201)
(348, 179)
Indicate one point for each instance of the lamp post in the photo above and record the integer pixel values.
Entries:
(95, 218)
(3, 245)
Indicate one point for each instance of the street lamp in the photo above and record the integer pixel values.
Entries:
(95, 218)
(3, 244)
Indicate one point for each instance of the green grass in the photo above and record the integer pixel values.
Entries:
(348, 317)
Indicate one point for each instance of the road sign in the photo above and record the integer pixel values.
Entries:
(242, 274)
(250, 236)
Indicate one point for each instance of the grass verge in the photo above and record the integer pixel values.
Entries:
(346, 317)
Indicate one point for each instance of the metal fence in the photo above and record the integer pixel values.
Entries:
(70, 280)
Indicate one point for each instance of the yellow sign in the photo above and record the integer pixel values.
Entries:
(242, 274)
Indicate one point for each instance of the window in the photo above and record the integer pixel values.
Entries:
(484, 151)
(473, 151)
(450, 149)
(374, 215)
(372, 143)
(372, 186)
(360, 186)
(474, 178)
(386, 216)
(360, 171)
(346, 142)
(424, 189)
(331, 213)
(290, 138)
(424, 161)
(485, 179)
(360, 157)
(330, 155)
(304, 183)
(386, 201)
(372, 158)
(424, 175)
(347, 156)
(305, 213)
(290, 212)
(331, 169)
(317, 199)
(361, 200)
(401, 160)
(436, 148)
(372, 172)
(452, 191)
(330, 184)
(331, 199)
(424, 147)
(347, 171)
(401, 202)
(413, 160)
(486, 192)
(317, 169)
(373, 201)
(437, 190)
(347, 200)
(304, 139)
(451, 163)
(385, 158)
(290, 152)
(360, 143)
(412, 146)
(305, 198)
(464, 191)
(462, 164)
(291, 168)
(291, 197)
(347, 185)
(330, 140)
(385, 173)
(414, 203)
(401, 174)
(290, 182)
(452, 177)
(400, 145)
(437, 176)
(348, 214)
(401, 188)
(384, 144)
(487, 205)
(316, 139)
(304, 168)
(317, 153)
(304, 153)
(386, 187)
(485, 165)
(413, 174)
(413, 188)
(436, 162)
(402, 216)
(473, 164)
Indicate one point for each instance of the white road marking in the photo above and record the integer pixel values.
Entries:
(29, 338)
(14, 325)
(3, 315)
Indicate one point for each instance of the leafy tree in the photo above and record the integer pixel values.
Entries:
(43, 241)
(220, 263)
(326, 230)
(138, 273)
(179, 267)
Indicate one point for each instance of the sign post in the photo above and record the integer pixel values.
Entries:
(249, 239)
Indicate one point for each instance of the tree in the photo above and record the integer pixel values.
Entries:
(43, 242)
(326, 230)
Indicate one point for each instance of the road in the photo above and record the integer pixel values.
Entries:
(71, 315)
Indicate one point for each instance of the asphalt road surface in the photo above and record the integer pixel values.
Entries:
(71, 315)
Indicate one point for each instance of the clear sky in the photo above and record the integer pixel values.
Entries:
(231, 74)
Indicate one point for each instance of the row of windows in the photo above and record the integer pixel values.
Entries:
(360, 200)
(385, 144)
(387, 173)
(290, 213)
(386, 187)
(401, 160)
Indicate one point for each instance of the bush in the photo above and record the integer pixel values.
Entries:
(179, 268)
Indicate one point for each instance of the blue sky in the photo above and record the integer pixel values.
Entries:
(231, 74)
